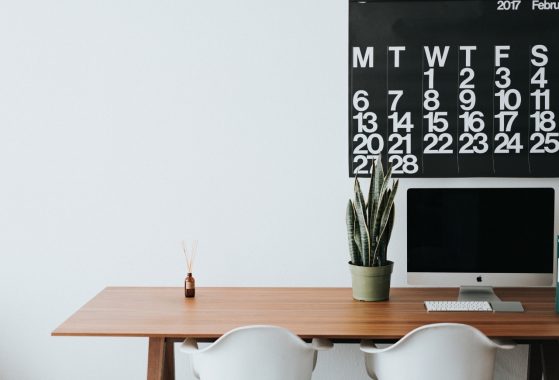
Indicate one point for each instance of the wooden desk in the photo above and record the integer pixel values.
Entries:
(164, 316)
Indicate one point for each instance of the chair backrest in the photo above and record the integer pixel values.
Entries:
(256, 353)
(435, 352)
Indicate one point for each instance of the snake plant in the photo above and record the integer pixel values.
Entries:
(369, 223)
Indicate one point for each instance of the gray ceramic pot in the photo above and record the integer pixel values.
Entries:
(371, 283)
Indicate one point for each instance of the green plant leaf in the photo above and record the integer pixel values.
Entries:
(386, 215)
(357, 235)
(377, 181)
(363, 231)
(388, 174)
(370, 195)
(384, 194)
(359, 195)
(378, 178)
(376, 219)
(389, 229)
(385, 238)
(350, 222)
(389, 202)
(380, 254)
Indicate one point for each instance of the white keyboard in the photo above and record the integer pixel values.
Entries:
(458, 306)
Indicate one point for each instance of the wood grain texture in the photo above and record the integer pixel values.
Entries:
(169, 364)
(156, 359)
(308, 312)
(161, 359)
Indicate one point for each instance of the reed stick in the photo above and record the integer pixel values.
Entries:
(190, 255)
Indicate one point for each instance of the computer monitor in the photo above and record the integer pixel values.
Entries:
(480, 236)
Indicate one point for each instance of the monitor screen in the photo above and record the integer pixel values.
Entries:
(473, 236)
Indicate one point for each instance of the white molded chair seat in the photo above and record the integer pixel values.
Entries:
(255, 353)
(442, 351)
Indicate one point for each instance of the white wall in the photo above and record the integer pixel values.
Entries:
(127, 125)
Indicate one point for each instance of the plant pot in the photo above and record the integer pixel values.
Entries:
(371, 283)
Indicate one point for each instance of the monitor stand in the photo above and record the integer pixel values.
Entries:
(477, 293)
(486, 293)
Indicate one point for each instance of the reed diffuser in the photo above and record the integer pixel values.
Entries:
(189, 255)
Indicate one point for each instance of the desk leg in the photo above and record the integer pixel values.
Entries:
(169, 370)
(550, 357)
(542, 360)
(534, 362)
(161, 359)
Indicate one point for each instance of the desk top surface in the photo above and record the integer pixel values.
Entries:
(308, 312)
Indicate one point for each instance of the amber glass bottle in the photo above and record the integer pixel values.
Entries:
(189, 286)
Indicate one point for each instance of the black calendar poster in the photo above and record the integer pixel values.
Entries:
(454, 88)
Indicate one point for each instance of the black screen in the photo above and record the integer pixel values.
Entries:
(481, 230)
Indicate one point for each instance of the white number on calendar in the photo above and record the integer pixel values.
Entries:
(360, 101)
(547, 143)
(436, 121)
(373, 143)
(475, 143)
(399, 141)
(366, 122)
(362, 163)
(545, 121)
(508, 143)
(466, 81)
(473, 121)
(404, 165)
(401, 123)
(433, 140)
(539, 78)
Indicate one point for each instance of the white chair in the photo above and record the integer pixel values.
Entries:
(255, 353)
(439, 351)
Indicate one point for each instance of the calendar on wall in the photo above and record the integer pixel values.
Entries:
(454, 88)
